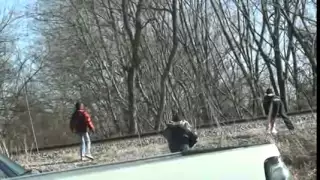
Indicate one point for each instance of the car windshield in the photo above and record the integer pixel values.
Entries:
(18, 169)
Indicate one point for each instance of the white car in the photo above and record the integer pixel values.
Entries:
(9, 168)
(258, 162)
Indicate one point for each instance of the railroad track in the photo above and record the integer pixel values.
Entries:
(155, 133)
(135, 148)
(269, 138)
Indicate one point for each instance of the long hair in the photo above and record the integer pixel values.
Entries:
(78, 106)
(74, 114)
(269, 91)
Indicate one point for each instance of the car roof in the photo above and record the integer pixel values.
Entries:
(228, 163)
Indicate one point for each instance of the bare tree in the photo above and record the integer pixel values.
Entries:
(133, 61)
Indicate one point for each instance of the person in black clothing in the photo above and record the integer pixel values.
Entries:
(179, 134)
(273, 106)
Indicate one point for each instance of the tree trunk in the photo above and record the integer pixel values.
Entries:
(132, 101)
(314, 84)
(167, 69)
(296, 79)
(135, 61)
(277, 55)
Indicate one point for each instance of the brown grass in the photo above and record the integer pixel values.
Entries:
(298, 149)
(299, 152)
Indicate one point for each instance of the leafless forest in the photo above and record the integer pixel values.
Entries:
(132, 61)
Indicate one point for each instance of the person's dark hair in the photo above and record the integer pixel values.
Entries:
(269, 91)
(78, 105)
(176, 116)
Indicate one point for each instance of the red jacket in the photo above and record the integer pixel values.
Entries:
(81, 121)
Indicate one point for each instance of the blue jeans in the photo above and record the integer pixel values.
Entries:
(85, 147)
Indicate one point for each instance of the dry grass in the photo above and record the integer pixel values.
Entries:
(298, 148)
(299, 152)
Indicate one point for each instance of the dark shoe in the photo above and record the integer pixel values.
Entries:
(289, 124)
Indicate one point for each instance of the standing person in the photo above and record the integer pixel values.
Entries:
(79, 124)
(273, 106)
(179, 134)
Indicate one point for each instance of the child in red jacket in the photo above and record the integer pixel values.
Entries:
(79, 123)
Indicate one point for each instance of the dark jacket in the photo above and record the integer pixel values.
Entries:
(277, 108)
(80, 122)
(179, 138)
(267, 100)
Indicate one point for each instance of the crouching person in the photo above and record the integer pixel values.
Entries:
(79, 124)
(179, 134)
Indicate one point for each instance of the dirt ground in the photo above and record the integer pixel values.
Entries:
(298, 148)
